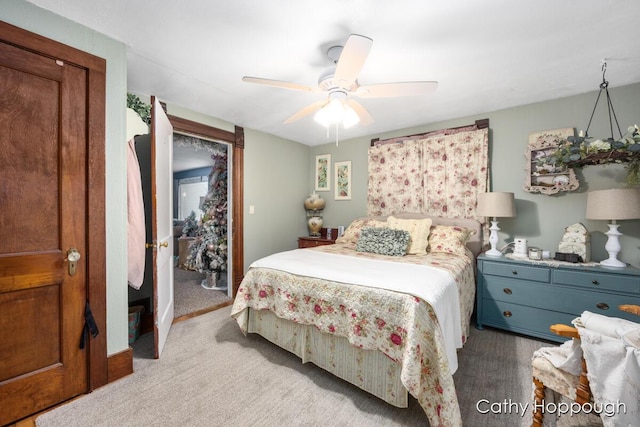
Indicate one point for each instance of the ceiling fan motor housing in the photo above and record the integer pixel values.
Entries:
(327, 82)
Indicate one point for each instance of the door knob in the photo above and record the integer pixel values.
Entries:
(157, 245)
(73, 256)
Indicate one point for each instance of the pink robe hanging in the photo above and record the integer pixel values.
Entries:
(136, 230)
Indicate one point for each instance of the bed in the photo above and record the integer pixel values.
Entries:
(389, 324)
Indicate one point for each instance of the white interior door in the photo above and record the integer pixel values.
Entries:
(162, 223)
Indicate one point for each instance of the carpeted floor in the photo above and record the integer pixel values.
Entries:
(210, 374)
(191, 297)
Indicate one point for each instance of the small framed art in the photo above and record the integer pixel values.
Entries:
(343, 180)
(323, 175)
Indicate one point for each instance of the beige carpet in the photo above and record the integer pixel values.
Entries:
(212, 375)
(190, 297)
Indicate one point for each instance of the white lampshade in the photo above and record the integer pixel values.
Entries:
(496, 205)
(614, 204)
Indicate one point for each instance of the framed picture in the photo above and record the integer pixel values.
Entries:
(343, 180)
(323, 176)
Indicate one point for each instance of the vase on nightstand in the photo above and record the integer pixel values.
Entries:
(315, 225)
(314, 204)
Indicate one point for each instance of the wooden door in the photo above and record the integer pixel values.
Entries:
(161, 223)
(43, 202)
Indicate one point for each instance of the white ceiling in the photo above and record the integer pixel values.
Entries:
(486, 55)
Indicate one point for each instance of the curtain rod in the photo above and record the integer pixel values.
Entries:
(480, 124)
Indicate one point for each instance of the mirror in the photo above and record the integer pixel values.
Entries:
(541, 176)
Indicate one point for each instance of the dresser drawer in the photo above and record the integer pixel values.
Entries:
(516, 291)
(524, 319)
(557, 298)
(576, 301)
(516, 271)
(598, 281)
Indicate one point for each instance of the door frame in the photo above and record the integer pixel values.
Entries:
(236, 141)
(96, 67)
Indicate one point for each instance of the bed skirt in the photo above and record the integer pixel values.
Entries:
(369, 370)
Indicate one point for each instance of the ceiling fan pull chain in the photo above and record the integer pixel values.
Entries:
(337, 126)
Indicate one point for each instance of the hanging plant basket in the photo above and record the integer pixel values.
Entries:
(605, 157)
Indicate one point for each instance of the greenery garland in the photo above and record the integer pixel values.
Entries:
(143, 110)
(579, 151)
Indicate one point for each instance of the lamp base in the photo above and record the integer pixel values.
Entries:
(613, 262)
(493, 239)
(493, 252)
(613, 247)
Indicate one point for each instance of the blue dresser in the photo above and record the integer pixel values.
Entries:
(526, 297)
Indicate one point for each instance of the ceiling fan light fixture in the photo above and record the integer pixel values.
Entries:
(336, 112)
(327, 115)
(350, 118)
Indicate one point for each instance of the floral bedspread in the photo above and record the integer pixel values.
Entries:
(402, 326)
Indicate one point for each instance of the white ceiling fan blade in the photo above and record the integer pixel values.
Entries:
(387, 90)
(365, 117)
(282, 84)
(354, 54)
(306, 111)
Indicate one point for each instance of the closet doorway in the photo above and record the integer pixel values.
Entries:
(201, 195)
(235, 260)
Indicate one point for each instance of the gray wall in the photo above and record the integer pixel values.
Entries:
(540, 218)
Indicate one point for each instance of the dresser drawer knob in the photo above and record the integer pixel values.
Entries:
(507, 313)
(507, 291)
(595, 282)
(515, 272)
(603, 306)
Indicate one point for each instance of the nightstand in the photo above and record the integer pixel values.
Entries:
(527, 297)
(311, 242)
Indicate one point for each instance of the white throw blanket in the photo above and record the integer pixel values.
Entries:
(613, 367)
(609, 326)
(431, 284)
(567, 357)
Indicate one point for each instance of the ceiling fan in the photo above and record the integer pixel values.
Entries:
(341, 85)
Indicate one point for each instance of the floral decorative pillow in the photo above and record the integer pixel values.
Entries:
(449, 239)
(352, 233)
(418, 230)
(383, 241)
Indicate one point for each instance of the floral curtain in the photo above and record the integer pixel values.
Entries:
(440, 173)
(395, 178)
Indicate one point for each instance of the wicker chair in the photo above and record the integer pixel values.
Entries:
(545, 374)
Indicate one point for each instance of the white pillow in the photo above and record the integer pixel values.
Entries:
(418, 230)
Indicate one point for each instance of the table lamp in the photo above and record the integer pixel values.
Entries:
(614, 204)
(495, 205)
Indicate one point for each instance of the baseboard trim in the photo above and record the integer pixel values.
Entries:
(203, 311)
(120, 365)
